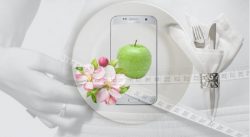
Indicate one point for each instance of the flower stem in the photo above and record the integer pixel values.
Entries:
(135, 43)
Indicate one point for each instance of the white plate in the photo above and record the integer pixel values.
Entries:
(94, 40)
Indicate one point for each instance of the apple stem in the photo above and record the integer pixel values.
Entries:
(135, 42)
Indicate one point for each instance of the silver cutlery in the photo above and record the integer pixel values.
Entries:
(199, 39)
(214, 92)
(212, 36)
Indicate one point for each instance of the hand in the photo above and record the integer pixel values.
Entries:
(23, 76)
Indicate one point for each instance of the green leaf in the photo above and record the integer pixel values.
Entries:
(93, 98)
(94, 91)
(89, 93)
(124, 89)
(113, 62)
(95, 63)
(79, 68)
(120, 71)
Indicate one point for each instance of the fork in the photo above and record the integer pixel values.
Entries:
(199, 40)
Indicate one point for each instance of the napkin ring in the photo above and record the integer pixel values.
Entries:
(210, 80)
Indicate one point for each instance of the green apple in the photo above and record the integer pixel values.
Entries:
(135, 60)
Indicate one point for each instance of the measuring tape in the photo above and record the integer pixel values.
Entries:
(183, 111)
(188, 114)
(194, 78)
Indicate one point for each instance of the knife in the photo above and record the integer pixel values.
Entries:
(214, 92)
(212, 36)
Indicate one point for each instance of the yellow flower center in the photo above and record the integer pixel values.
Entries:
(108, 84)
(89, 78)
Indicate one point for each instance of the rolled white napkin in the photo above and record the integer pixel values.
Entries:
(207, 60)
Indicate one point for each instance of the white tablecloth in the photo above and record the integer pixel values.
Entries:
(56, 18)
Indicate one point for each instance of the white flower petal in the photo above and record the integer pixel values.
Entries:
(99, 73)
(81, 79)
(114, 93)
(102, 95)
(88, 69)
(116, 87)
(111, 101)
(110, 73)
(88, 86)
(120, 80)
(98, 83)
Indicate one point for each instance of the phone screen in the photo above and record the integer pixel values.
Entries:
(132, 31)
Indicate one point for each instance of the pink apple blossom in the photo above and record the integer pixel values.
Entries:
(104, 80)
(90, 78)
(111, 89)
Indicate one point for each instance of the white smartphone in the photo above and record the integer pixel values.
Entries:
(142, 30)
